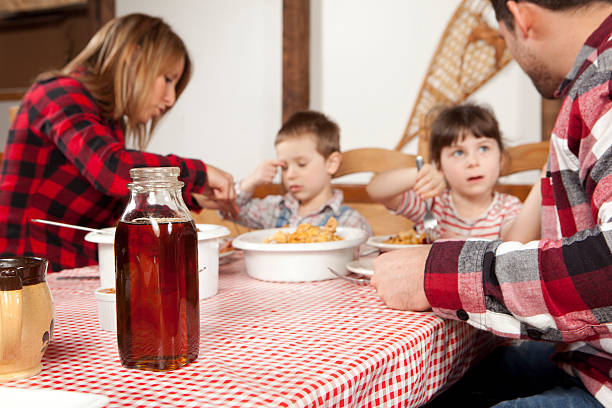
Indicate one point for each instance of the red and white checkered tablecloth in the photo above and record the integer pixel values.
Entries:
(264, 344)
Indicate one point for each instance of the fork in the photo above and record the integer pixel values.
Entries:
(357, 281)
(429, 222)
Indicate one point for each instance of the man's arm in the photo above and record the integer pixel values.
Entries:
(527, 224)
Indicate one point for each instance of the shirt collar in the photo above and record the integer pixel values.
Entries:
(494, 205)
(584, 58)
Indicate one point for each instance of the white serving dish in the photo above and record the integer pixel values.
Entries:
(298, 262)
(208, 257)
(107, 310)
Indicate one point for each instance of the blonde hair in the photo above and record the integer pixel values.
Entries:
(119, 65)
(325, 131)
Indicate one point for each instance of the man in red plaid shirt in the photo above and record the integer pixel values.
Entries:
(558, 289)
(66, 157)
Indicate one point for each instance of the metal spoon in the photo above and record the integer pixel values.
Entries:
(61, 224)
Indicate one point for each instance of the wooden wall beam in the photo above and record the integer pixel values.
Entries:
(296, 56)
(100, 11)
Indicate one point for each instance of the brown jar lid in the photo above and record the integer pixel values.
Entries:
(21, 270)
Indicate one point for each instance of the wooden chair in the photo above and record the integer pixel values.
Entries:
(530, 156)
(371, 160)
(207, 216)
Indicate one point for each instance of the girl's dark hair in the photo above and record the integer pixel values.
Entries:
(453, 123)
(503, 14)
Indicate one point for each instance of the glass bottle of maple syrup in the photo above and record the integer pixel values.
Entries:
(156, 269)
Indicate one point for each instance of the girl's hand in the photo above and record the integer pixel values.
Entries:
(264, 173)
(429, 182)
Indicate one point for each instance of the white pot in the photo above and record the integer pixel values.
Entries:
(208, 257)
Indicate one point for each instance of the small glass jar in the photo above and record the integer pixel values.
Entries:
(26, 316)
(156, 270)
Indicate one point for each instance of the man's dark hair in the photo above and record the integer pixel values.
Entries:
(503, 14)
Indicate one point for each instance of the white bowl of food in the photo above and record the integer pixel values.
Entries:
(298, 262)
(107, 311)
(208, 257)
(403, 239)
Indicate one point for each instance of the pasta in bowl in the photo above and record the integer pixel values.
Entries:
(306, 233)
(298, 262)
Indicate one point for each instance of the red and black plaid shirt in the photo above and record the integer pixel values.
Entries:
(64, 162)
(558, 289)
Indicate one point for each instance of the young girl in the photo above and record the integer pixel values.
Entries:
(71, 145)
(467, 150)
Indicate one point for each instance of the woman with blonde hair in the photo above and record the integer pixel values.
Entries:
(81, 129)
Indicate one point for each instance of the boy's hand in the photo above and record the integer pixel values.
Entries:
(429, 182)
(264, 173)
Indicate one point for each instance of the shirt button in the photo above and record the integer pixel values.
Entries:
(534, 334)
(462, 315)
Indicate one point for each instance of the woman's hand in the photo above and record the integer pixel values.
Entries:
(430, 182)
(219, 192)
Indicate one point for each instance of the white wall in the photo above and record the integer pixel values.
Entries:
(368, 61)
(368, 58)
(230, 112)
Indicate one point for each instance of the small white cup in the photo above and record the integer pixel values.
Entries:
(107, 310)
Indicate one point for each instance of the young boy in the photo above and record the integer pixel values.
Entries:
(308, 155)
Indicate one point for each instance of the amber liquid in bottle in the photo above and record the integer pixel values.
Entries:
(158, 318)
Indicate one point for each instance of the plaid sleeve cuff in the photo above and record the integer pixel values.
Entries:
(193, 174)
(453, 278)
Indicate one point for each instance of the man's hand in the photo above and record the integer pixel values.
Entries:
(219, 192)
(398, 278)
(429, 182)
